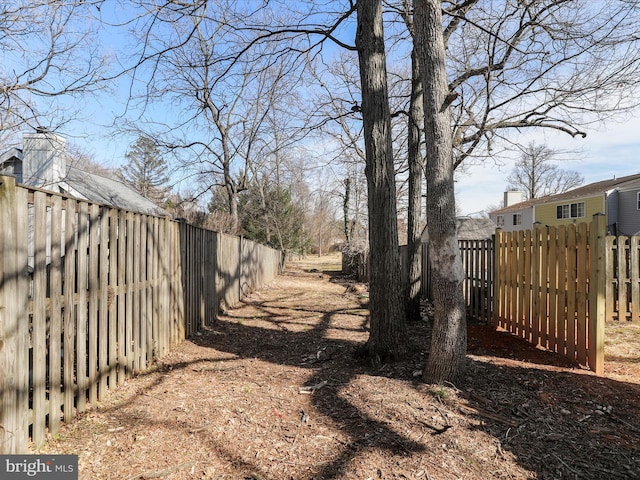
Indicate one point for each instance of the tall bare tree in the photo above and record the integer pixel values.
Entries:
(387, 326)
(229, 90)
(415, 160)
(448, 344)
(536, 175)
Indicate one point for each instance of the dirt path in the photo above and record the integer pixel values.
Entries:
(272, 391)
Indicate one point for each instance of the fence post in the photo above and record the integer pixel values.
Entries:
(597, 236)
(14, 346)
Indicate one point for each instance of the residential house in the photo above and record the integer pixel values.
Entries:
(617, 198)
(42, 162)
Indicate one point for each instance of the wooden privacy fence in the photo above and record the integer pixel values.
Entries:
(90, 294)
(622, 282)
(550, 288)
(477, 261)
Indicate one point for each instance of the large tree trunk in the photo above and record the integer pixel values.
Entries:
(386, 338)
(416, 171)
(449, 340)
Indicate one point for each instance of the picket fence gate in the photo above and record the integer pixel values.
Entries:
(90, 294)
(553, 286)
(550, 288)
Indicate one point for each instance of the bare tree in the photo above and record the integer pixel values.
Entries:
(536, 175)
(48, 53)
(415, 160)
(553, 64)
(228, 88)
(81, 159)
(448, 344)
(387, 326)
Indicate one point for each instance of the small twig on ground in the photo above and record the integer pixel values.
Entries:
(493, 416)
(564, 463)
(446, 420)
(162, 473)
(199, 429)
(436, 430)
(313, 388)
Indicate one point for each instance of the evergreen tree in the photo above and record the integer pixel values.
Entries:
(146, 170)
(269, 216)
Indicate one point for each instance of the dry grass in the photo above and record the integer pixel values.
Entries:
(622, 351)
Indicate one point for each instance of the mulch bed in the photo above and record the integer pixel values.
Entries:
(273, 390)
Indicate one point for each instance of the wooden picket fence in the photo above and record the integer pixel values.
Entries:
(478, 259)
(91, 294)
(478, 264)
(550, 288)
(622, 281)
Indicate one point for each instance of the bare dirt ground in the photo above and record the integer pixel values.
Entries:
(273, 391)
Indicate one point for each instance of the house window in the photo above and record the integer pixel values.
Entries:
(517, 219)
(638, 200)
(500, 218)
(571, 210)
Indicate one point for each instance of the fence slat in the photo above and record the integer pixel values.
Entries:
(142, 346)
(55, 320)
(597, 294)
(112, 299)
(572, 275)
(610, 276)
(583, 295)
(122, 260)
(103, 314)
(550, 325)
(94, 294)
(81, 315)
(69, 309)
(561, 318)
(623, 277)
(39, 322)
(536, 290)
(133, 341)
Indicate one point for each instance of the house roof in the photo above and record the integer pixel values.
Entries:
(110, 192)
(471, 228)
(589, 190)
(99, 189)
(10, 154)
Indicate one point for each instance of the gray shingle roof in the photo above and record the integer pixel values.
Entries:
(580, 192)
(470, 228)
(105, 190)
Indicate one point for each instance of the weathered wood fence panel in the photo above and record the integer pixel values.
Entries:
(90, 294)
(477, 261)
(478, 264)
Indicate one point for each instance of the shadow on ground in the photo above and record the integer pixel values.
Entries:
(556, 422)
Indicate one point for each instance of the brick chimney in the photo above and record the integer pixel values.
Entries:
(43, 158)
